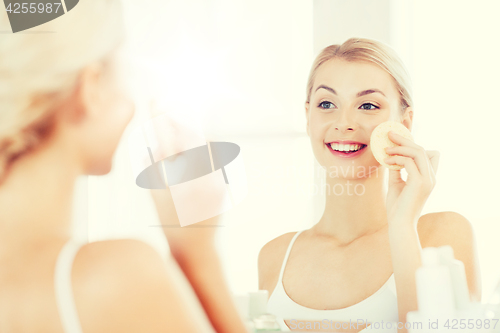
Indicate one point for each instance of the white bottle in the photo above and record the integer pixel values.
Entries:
(458, 277)
(434, 288)
(242, 302)
(262, 321)
(493, 306)
(495, 296)
(257, 303)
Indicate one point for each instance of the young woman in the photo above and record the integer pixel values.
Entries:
(63, 110)
(359, 260)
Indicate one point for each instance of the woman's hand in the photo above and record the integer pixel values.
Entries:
(405, 199)
(193, 246)
(172, 138)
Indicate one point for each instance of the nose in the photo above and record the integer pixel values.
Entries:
(345, 121)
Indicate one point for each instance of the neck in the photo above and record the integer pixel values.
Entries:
(36, 197)
(354, 207)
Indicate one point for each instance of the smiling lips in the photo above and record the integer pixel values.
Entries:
(346, 148)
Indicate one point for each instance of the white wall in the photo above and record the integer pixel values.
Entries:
(239, 69)
(455, 73)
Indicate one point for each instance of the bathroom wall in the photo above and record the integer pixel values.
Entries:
(238, 69)
(455, 74)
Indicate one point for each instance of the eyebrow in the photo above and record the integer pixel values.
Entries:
(361, 93)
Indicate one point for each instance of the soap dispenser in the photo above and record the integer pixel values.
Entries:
(493, 308)
(263, 321)
(458, 277)
(434, 287)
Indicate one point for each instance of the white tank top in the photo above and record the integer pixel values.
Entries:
(382, 305)
(63, 288)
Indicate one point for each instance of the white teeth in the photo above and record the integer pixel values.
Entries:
(345, 147)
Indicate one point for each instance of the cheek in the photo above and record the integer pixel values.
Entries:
(116, 114)
(121, 105)
(395, 113)
(370, 123)
(318, 126)
(125, 110)
(121, 109)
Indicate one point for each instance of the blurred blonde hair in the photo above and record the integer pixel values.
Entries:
(39, 70)
(368, 50)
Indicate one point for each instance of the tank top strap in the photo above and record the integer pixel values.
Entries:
(287, 254)
(63, 288)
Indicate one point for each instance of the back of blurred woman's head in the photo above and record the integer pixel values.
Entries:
(40, 69)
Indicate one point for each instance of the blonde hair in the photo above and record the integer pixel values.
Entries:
(368, 50)
(40, 68)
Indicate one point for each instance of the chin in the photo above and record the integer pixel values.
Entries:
(351, 170)
(100, 169)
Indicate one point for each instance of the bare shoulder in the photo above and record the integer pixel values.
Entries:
(453, 229)
(107, 256)
(270, 260)
(125, 285)
(443, 228)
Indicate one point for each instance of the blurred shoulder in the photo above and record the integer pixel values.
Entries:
(444, 228)
(112, 278)
(276, 248)
(270, 259)
(117, 260)
(108, 255)
(453, 229)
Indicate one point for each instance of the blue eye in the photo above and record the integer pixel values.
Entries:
(368, 106)
(326, 105)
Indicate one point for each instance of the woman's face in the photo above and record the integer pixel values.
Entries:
(348, 100)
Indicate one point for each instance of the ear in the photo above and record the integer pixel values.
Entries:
(408, 117)
(307, 117)
(87, 97)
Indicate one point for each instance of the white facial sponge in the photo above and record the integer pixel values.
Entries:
(379, 140)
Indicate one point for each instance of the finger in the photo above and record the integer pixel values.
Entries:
(433, 156)
(421, 158)
(407, 162)
(395, 176)
(417, 154)
(401, 140)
